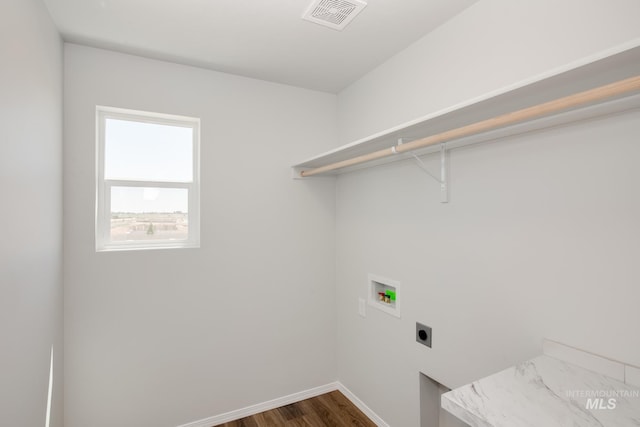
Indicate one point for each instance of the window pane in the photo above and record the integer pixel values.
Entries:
(144, 213)
(139, 151)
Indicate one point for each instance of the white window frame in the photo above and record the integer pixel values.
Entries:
(103, 186)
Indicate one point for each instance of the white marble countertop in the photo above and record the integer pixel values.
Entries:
(545, 392)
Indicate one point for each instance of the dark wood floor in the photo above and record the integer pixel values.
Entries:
(328, 410)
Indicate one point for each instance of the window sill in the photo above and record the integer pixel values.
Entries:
(145, 247)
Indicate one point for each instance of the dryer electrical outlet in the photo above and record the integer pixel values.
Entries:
(423, 334)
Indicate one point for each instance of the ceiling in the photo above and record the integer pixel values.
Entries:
(263, 39)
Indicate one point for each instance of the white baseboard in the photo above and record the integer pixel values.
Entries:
(361, 405)
(261, 407)
(287, 400)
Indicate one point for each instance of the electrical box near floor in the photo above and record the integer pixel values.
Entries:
(384, 294)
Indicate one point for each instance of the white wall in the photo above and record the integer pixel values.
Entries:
(490, 45)
(540, 238)
(31, 214)
(172, 336)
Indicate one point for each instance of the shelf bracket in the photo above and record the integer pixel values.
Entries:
(442, 179)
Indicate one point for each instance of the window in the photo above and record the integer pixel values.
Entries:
(147, 180)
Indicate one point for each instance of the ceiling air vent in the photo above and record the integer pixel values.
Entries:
(334, 14)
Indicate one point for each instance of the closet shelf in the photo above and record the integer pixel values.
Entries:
(603, 69)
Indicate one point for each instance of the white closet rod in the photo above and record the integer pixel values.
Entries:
(580, 99)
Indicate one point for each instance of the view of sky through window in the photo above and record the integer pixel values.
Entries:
(138, 151)
(146, 199)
